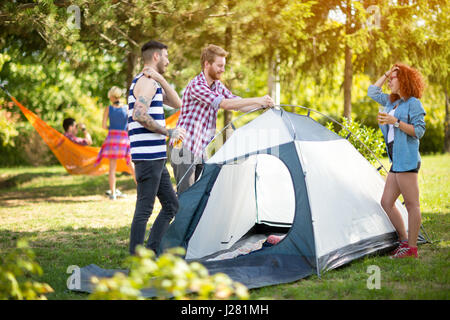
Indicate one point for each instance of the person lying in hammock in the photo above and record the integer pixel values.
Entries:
(71, 131)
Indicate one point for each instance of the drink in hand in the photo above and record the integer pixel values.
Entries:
(381, 112)
(177, 143)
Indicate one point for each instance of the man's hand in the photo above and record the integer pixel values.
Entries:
(177, 134)
(153, 74)
(82, 127)
(266, 102)
(87, 136)
(170, 96)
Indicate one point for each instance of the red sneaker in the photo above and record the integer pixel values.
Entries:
(403, 244)
(405, 253)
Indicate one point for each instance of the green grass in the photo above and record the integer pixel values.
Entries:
(69, 221)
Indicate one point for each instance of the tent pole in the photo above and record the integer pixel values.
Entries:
(351, 133)
(292, 125)
(426, 234)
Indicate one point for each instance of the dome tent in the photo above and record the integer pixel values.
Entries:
(285, 170)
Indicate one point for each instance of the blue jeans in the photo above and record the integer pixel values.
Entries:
(153, 180)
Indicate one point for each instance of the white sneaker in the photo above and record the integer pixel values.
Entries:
(121, 195)
(108, 192)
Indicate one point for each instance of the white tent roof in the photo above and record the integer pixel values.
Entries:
(266, 131)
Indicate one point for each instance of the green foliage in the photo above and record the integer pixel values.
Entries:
(362, 136)
(433, 101)
(26, 148)
(433, 139)
(170, 275)
(7, 127)
(16, 268)
(58, 71)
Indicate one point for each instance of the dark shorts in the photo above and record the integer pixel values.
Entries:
(390, 148)
(416, 170)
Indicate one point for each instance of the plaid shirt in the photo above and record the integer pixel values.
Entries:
(77, 140)
(199, 108)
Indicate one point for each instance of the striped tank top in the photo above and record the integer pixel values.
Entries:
(146, 144)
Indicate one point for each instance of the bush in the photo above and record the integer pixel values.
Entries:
(433, 139)
(362, 135)
(27, 148)
(15, 271)
(170, 275)
(8, 130)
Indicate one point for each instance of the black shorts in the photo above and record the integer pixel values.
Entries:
(416, 170)
(390, 148)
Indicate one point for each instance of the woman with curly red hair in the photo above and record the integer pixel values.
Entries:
(402, 124)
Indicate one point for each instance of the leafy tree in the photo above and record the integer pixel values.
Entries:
(16, 269)
(317, 49)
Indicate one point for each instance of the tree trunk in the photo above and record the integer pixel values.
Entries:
(273, 81)
(348, 69)
(227, 115)
(271, 78)
(348, 77)
(132, 60)
(447, 123)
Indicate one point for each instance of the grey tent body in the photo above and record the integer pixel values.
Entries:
(314, 182)
(281, 171)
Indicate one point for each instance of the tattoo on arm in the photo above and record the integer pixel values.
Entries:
(140, 115)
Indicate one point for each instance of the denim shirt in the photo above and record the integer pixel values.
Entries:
(406, 148)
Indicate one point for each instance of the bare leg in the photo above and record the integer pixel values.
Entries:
(390, 194)
(112, 175)
(409, 187)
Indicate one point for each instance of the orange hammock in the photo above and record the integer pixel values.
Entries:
(75, 158)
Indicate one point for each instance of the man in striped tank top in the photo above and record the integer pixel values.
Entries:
(147, 132)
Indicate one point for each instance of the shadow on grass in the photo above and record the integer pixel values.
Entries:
(70, 237)
(86, 186)
(17, 180)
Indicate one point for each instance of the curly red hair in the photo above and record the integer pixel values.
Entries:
(411, 82)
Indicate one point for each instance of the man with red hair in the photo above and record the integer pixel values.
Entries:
(203, 97)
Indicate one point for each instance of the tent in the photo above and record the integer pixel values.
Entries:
(282, 173)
